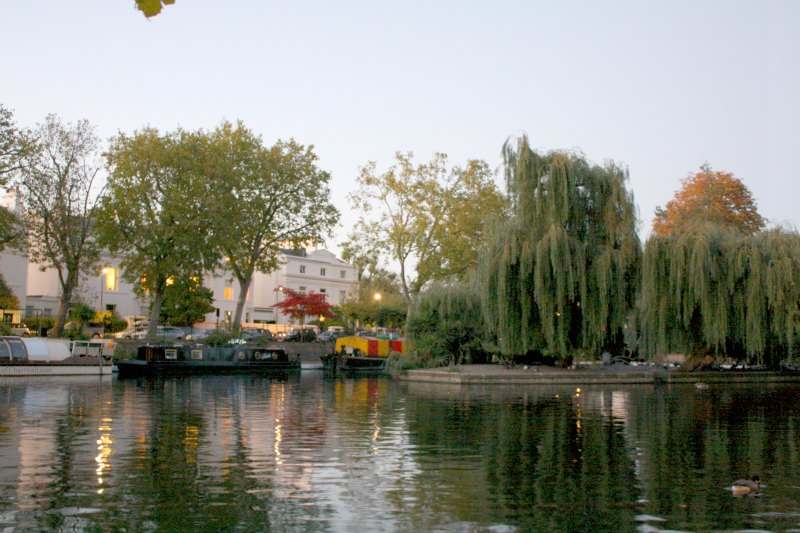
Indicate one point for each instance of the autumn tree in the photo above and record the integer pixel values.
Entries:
(299, 305)
(156, 213)
(58, 191)
(709, 196)
(559, 277)
(426, 215)
(266, 199)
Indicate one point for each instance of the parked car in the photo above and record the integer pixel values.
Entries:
(329, 336)
(162, 332)
(256, 335)
(301, 335)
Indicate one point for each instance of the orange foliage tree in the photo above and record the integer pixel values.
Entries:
(709, 196)
(299, 305)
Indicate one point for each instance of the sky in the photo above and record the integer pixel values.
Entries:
(659, 87)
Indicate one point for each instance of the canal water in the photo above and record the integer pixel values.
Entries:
(305, 453)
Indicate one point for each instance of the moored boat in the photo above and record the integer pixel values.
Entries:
(33, 356)
(199, 359)
(336, 362)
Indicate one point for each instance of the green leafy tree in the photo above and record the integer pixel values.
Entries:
(81, 314)
(151, 8)
(8, 300)
(267, 199)
(716, 291)
(14, 144)
(186, 302)
(156, 213)
(427, 215)
(445, 326)
(560, 277)
(59, 194)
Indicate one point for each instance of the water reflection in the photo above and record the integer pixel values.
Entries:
(305, 453)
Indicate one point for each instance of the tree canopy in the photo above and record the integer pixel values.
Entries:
(155, 214)
(186, 301)
(713, 290)
(559, 277)
(59, 194)
(265, 199)
(709, 196)
(299, 305)
(8, 300)
(151, 8)
(426, 214)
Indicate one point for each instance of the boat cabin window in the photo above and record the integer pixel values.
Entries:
(171, 353)
(197, 354)
(18, 350)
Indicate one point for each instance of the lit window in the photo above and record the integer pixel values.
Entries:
(227, 294)
(321, 271)
(110, 274)
(302, 269)
(343, 274)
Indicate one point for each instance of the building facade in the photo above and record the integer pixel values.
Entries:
(317, 271)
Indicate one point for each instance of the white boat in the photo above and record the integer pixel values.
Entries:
(36, 356)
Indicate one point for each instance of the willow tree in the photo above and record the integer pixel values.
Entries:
(559, 277)
(716, 291)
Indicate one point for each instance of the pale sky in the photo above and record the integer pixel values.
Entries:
(660, 87)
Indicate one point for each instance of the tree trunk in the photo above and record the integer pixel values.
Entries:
(67, 287)
(244, 286)
(406, 292)
(61, 315)
(155, 314)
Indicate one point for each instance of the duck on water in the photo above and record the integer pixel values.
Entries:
(747, 487)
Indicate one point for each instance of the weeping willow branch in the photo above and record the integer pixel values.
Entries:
(716, 291)
(560, 276)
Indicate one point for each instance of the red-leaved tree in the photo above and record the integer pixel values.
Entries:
(299, 305)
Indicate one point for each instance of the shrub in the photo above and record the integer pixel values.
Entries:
(446, 327)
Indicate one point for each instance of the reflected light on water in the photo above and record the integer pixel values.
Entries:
(104, 450)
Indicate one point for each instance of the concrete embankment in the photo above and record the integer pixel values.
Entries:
(498, 375)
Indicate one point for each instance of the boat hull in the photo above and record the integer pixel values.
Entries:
(54, 369)
(337, 363)
(135, 367)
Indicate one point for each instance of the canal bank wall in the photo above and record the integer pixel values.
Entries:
(496, 375)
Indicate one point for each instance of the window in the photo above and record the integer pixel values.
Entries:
(111, 282)
(227, 294)
(302, 269)
(343, 274)
(323, 292)
(321, 271)
(301, 289)
(111, 307)
(342, 296)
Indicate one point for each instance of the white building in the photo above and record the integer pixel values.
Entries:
(317, 271)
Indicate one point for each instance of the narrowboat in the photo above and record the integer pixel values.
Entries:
(360, 354)
(201, 359)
